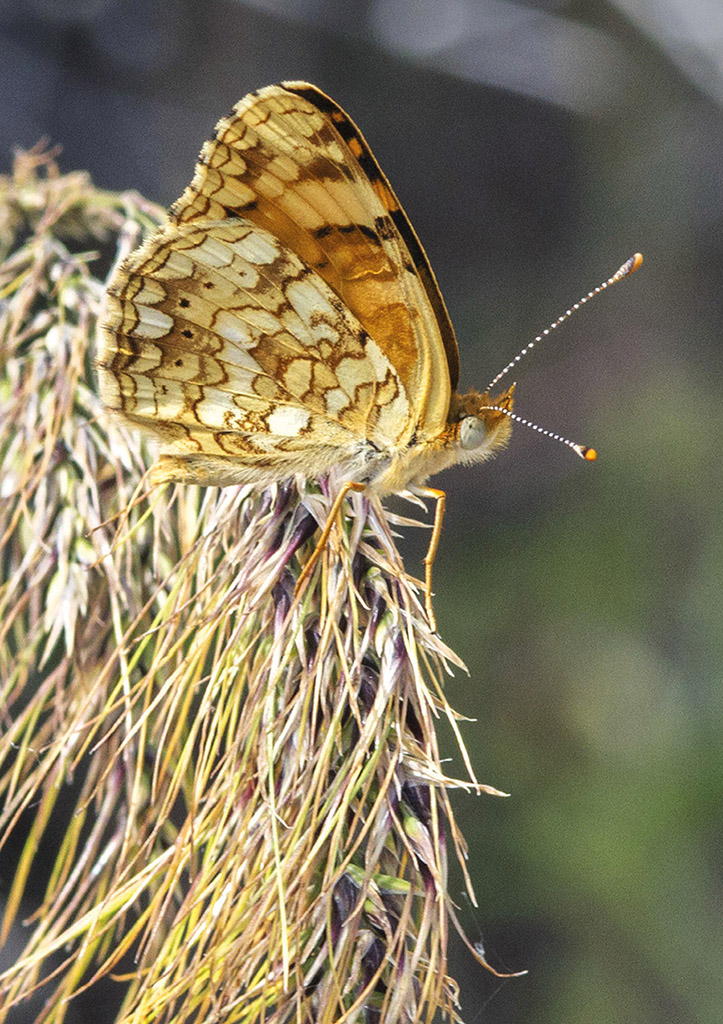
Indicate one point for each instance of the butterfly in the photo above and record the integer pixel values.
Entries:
(285, 319)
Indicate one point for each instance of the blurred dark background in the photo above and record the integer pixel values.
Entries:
(535, 146)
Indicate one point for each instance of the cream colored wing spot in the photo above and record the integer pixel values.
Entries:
(336, 401)
(288, 421)
(297, 376)
(176, 266)
(150, 293)
(304, 297)
(151, 322)
(256, 248)
(232, 329)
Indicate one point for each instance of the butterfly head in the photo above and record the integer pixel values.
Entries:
(481, 422)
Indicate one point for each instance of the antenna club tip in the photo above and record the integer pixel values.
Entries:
(589, 454)
(635, 262)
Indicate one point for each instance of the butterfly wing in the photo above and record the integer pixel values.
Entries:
(292, 161)
(286, 315)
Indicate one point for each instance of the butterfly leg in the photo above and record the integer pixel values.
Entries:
(441, 498)
(350, 485)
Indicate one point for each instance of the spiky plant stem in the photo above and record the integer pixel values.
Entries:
(260, 812)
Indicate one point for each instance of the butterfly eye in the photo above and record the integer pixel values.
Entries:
(472, 432)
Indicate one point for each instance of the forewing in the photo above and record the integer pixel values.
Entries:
(290, 160)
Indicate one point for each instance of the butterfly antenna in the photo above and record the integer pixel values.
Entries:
(589, 454)
(628, 268)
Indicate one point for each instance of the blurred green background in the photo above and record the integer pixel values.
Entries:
(535, 147)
